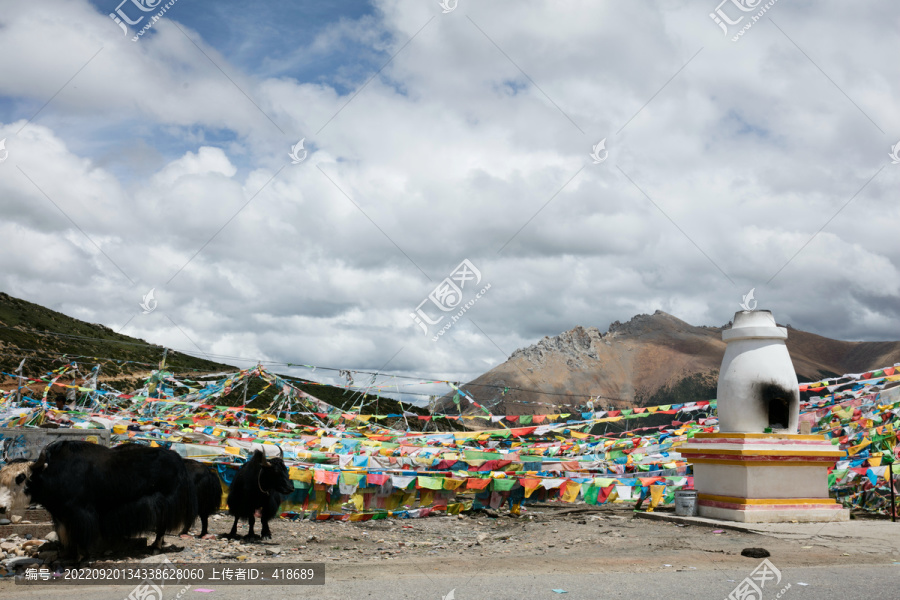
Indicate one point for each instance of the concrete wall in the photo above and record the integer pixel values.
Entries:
(777, 481)
(27, 442)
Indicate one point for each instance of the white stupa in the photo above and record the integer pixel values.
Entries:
(757, 468)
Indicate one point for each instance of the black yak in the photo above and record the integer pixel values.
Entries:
(208, 491)
(98, 495)
(258, 489)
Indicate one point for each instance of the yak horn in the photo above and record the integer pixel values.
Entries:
(280, 452)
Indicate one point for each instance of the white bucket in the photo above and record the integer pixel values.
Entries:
(686, 503)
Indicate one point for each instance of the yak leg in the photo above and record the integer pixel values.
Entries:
(266, 534)
(251, 521)
(160, 534)
(233, 532)
(69, 546)
(62, 534)
(187, 528)
(204, 520)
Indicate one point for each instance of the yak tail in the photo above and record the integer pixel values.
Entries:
(181, 510)
(209, 493)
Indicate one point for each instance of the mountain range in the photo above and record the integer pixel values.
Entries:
(649, 360)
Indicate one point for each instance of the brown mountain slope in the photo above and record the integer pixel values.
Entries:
(651, 359)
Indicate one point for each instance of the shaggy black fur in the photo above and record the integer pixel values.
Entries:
(208, 491)
(98, 495)
(261, 484)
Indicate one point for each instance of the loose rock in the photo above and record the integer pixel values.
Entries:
(755, 552)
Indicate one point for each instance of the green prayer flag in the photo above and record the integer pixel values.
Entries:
(431, 483)
(350, 478)
(503, 485)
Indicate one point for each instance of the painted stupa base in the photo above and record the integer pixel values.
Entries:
(763, 477)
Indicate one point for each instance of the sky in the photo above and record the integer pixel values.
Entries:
(473, 176)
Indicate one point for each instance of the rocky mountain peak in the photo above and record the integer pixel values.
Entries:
(573, 344)
(643, 325)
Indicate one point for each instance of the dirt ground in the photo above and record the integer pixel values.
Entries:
(488, 556)
(544, 538)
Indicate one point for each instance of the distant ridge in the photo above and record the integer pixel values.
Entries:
(649, 360)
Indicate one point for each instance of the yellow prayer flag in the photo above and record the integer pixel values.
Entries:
(856, 449)
(570, 493)
(656, 494)
(297, 474)
(452, 484)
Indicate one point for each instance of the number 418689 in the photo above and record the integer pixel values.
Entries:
(282, 573)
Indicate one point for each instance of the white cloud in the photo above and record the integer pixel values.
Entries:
(750, 150)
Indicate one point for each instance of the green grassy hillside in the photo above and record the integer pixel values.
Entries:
(48, 339)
